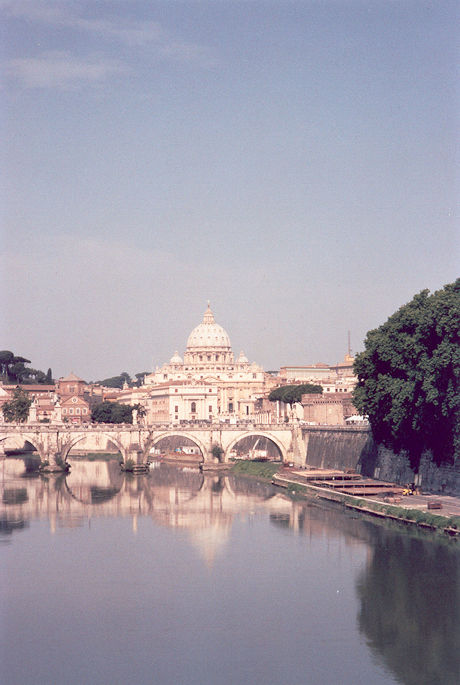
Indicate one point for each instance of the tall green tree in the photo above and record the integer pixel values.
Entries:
(408, 377)
(12, 367)
(112, 412)
(290, 394)
(140, 377)
(116, 381)
(17, 409)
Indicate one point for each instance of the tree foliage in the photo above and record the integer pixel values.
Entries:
(217, 451)
(13, 369)
(408, 377)
(140, 378)
(116, 381)
(112, 412)
(293, 393)
(17, 409)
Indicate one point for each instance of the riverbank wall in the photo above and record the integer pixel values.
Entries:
(338, 447)
(384, 464)
(353, 447)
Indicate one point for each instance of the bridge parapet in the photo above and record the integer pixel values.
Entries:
(53, 442)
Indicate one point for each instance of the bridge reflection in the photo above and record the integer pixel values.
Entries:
(203, 504)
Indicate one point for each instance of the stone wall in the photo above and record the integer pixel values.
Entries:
(337, 447)
(352, 447)
(386, 465)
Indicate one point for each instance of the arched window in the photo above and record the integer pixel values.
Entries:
(193, 408)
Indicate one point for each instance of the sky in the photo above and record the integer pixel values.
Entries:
(293, 162)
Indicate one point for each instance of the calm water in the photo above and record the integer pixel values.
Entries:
(179, 578)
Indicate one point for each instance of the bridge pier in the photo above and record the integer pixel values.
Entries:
(298, 451)
(134, 458)
(54, 462)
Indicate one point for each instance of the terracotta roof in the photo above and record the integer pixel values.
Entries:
(29, 387)
(72, 377)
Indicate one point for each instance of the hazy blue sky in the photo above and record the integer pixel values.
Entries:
(293, 162)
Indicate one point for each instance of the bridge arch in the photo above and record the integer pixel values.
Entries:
(180, 434)
(78, 438)
(20, 437)
(258, 434)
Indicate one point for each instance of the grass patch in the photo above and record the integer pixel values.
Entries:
(297, 489)
(419, 516)
(265, 470)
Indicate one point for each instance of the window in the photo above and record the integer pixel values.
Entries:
(210, 408)
(64, 411)
(176, 409)
(71, 410)
(84, 411)
(230, 407)
(193, 407)
(77, 410)
(210, 390)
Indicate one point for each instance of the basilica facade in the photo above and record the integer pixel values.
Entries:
(208, 382)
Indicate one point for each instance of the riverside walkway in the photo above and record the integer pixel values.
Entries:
(327, 484)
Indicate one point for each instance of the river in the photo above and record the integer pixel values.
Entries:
(180, 578)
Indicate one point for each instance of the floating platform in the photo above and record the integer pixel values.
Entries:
(363, 486)
(348, 483)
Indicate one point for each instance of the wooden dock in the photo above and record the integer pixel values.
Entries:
(349, 483)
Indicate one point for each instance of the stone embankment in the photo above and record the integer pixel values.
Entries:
(353, 447)
(390, 503)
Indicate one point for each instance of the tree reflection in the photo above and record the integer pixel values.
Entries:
(410, 608)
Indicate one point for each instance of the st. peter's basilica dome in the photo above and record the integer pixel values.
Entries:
(208, 335)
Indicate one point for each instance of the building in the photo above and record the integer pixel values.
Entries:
(334, 406)
(73, 400)
(321, 374)
(176, 402)
(43, 399)
(71, 385)
(207, 383)
(331, 409)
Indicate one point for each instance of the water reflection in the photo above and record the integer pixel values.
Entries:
(403, 589)
(410, 607)
(205, 505)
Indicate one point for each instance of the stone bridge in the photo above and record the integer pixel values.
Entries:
(54, 442)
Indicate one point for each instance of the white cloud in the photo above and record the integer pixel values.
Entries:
(133, 33)
(59, 69)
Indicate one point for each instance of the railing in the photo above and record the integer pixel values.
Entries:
(117, 427)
